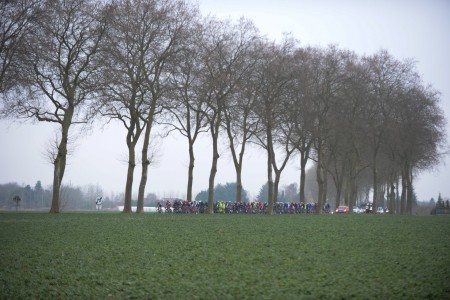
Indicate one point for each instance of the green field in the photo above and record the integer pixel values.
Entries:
(151, 256)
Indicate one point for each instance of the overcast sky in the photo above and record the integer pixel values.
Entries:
(407, 29)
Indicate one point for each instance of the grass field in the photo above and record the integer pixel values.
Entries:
(150, 256)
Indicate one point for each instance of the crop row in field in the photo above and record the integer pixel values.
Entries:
(113, 255)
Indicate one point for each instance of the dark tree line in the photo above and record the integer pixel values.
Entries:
(38, 197)
(147, 63)
(224, 192)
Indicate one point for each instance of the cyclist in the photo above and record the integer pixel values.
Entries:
(168, 206)
(159, 207)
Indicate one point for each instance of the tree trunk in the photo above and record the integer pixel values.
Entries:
(354, 192)
(404, 192)
(239, 184)
(145, 165)
(324, 193)
(237, 161)
(130, 172)
(320, 180)
(276, 184)
(270, 189)
(212, 176)
(381, 196)
(349, 192)
(303, 161)
(269, 172)
(375, 185)
(392, 199)
(60, 160)
(410, 195)
(215, 158)
(352, 189)
(397, 195)
(238, 167)
(145, 162)
(190, 171)
(57, 177)
(338, 192)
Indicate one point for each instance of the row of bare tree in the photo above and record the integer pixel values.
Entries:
(150, 62)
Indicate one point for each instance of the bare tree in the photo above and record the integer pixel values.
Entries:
(387, 76)
(375, 113)
(172, 21)
(342, 123)
(355, 149)
(417, 135)
(300, 113)
(145, 35)
(186, 110)
(274, 76)
(57, 70)
(239, 119)
(223, 54)
(286, 146)
(327, 84)
(123, 96)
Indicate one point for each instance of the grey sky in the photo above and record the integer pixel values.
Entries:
(407, 29)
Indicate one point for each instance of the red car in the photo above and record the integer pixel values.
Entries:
(342, 209)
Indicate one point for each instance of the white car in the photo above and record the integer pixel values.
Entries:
(380, 210)
(357, 210)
